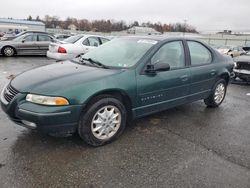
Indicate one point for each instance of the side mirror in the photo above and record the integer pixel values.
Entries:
(23, 40)
(161, 66)
(158, 67)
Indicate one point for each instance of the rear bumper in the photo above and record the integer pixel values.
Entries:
(45, 119)
(60, 56)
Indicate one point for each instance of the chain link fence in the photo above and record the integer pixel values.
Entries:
(212, 39)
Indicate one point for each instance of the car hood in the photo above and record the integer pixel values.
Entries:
(53, 78)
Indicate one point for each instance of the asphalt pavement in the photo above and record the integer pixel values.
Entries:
(188, 146)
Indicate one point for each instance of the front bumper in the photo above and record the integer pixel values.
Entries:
(242, 73)
(46, 119)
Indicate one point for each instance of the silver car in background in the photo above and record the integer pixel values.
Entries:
(74, 46)
(27, 44)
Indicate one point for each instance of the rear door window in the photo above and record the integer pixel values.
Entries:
(44, 38)
(94, 41)
(199, 53)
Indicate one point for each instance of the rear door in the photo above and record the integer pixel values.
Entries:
(90, 43)
(202, 70)
(43, 43)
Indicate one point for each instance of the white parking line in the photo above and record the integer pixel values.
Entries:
(248, 94)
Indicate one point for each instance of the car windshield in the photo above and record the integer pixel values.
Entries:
(73, 39)
(18, 39)
(19, 34)
(121, 52)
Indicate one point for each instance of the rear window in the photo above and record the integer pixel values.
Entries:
(73, 39)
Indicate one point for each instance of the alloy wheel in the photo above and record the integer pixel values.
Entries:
(106, 122)
(8, 51)
(219, 93)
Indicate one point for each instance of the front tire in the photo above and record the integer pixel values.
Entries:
(8, 51)
(103, 121)
(217, 95)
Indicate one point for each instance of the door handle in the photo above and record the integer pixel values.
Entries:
(184, 78)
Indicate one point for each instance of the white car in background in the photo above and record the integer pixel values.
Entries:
(74, 46)
(224, 49)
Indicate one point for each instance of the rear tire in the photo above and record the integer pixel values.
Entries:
(217, 95)
(8, 51)
(103, 121)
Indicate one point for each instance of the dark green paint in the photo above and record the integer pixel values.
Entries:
(147, 93)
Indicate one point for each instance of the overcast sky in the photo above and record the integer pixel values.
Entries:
(208, 15)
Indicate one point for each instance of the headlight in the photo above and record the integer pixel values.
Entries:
(46, 100)
(235, 65)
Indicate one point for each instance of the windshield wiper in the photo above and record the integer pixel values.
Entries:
(94, 62)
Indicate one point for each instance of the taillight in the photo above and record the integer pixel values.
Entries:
(62, 50)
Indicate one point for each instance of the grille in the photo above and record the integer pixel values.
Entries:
(243, 65)
(10, 93)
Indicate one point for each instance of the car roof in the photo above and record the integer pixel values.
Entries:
(159, 37)
(89, 35)
(35, 31)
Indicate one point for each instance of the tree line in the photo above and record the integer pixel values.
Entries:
(110, 25)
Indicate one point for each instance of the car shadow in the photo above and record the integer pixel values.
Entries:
(156, 120)
(240, 82)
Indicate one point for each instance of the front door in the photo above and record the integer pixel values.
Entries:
(28, 45)
(164, 89)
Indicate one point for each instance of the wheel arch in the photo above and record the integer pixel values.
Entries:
(15, 51)
(225, 76)
(119, 94)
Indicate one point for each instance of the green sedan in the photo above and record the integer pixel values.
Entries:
(98, 94)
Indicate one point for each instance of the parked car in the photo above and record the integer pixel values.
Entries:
(224, 49)
(126, 78)
(236, 51)
(27, 44)
(13, 36)
(242, 67)
(74, 46)
(62, 37)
